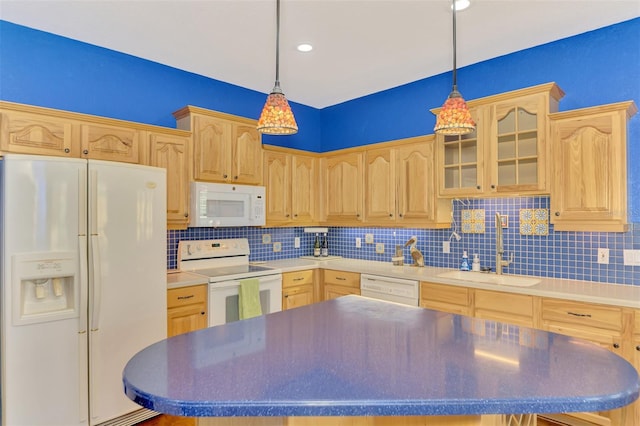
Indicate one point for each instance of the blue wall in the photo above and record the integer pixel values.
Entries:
(42, 69)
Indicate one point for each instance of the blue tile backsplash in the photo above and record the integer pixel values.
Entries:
(571, 255)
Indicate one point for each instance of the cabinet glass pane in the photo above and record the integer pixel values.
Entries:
(528, 172)
(528, 144)
(469, 175)
(451, 177)
(468, 152)
(507, 173)
(527, 120)
(508, 123)
(506, 147)
(451, 153)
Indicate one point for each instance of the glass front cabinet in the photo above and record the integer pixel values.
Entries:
(507, 154)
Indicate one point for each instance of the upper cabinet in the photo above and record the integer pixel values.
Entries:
(26, 129)
(291, 180)
(400, 186)
(342, 183)
(589, 191)
(508, 152)
(226, 148)
(170, 150)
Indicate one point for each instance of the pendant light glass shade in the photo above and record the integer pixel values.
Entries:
(454, 118)
(276, 117)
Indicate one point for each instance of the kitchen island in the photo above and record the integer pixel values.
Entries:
(355, 356)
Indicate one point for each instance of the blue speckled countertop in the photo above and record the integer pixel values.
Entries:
(355, 356)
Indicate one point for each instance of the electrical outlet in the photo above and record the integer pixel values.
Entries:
(603, 256)
(368, 238)
(446, 247)
(277, 247)
(380, 248)
(266, 238)
(631, 257)
(296, 242)
(358, 242)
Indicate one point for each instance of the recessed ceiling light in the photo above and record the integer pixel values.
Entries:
(305, 47)
(462, 5)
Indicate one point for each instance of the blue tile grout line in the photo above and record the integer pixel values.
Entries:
(570, 255)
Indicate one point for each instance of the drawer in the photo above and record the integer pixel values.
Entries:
(497, 301)
(582, 314)
(290, 279)
(443, 293)
(347, 279)
(186, 295)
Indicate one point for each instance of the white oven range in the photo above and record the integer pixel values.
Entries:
(226, 262)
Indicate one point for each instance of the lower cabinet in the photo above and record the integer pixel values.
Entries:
(446, 298)
(614, 328)
(186, 309)
(340, 283)
(297, 289)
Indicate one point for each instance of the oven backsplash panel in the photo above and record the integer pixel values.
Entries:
(537, 248)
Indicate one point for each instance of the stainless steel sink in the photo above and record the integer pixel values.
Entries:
(483, 277)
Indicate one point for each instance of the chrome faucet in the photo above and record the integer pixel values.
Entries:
(500, 263)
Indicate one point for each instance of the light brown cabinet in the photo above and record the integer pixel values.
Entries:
(186, 309)
(297, 289)
(171, 152)
(37, 132)
(601, 324)
(25, 129)
(446, 298)
(635, 357)
(342, 178)
(504, 307)
(589, 190)
(400, 186)
(291, 182)
(340, 283)
(508, 152)
(226, 148)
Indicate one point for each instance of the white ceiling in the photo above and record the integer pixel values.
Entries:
(360, 46)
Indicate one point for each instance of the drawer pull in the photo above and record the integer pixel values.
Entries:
(341, 279)
(298, 279)
(186, 297)
(575, 314)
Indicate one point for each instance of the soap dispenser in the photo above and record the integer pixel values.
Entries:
(475, 265)
(464, 264)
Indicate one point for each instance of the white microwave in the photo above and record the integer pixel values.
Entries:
(223, 204)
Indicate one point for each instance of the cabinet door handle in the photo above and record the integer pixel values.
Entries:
(557, 213)
(295, 215)
(67, 150)
(616, 345)
(341, 279)
(493, 187)
(202, 313)
(287, 215)
(400, 215)
(225, 176)
(576, 314)
(186, 215)
(638, 348)
(390, 214)
(478, 187)
(85, 151)
(186, 297)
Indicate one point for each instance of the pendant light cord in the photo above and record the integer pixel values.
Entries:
(277, 44)
(455, 79)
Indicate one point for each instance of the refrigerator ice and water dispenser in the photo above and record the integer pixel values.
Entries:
(45, 287)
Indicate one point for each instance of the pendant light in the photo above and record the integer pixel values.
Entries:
(454, 118)
(276, 117)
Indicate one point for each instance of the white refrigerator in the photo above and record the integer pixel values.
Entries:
(83, 280)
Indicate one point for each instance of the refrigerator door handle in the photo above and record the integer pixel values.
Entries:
(82, 202)
(97, 283)
(84, 280)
